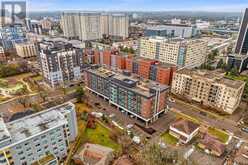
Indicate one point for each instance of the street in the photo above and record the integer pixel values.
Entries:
(224, 124)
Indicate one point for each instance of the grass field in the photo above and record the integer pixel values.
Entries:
(101, 135)
(221, 135)
(169, 139)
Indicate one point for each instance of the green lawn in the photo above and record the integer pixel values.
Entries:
(100, 135)
(240, 77)
(37, 78)
(221, 135)
(169, 139)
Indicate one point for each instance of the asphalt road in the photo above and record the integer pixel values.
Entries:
(221, 123)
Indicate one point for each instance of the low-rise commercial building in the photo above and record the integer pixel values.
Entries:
(29, 139)
(188, 53)
(143, 99)
(26, 49)
(210, 88)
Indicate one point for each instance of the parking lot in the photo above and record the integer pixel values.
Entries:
(123, 119)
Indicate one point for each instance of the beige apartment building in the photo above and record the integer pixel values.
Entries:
(210, 88)
(92, 25)
(26, 49)
(188, 53)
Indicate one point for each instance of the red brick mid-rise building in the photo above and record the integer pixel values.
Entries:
(145, 68)
(107, 58)
(145, 100)
(121, 62)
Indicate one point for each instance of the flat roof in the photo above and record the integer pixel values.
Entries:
(4, 133)
(214, 75)
(165, 26)
(132, 82)
(142, 87)
(26, 127)
(102, 72)
(172, 40)
(34, 124)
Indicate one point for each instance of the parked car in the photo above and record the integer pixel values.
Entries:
(203, 113)
(245, 129)
(172, 100)
(129, 126)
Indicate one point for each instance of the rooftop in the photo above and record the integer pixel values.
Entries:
(213, 144)
(214, 75)
(146, 88)
(164, 27)
(4, 133)
(186, 126)
(34, 124)
(242, 154)
(102, 72)
(134, 83)
(172, 40)
(93, 154)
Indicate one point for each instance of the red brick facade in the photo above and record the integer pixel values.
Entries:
(121, 62)
(107, 58)
(144, 67)
(125, 62)
(163, 75)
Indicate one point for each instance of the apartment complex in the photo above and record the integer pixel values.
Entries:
(171, 30)
(151, 69)
(145, 68)
(29, 139)
(60, 62)
(142, 99)
(210, 88)
(46, 24)
(9, 35)
(92, 26)
(2, 54)
(26, 49)
(181, 52)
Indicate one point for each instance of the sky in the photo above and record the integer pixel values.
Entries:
(139, 5)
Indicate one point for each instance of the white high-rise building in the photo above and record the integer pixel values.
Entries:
(41, 137)
(92, 26)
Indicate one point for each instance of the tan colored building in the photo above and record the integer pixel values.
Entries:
(92, 25)
(26, 50)
(182, 52)
(209, 88)
(46, 23)
(2, 54)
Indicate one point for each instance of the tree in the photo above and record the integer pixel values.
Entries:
(43, 95)
(234, 71)
(23, 101)
(154, 154)
(80, 94)
(220, 63)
